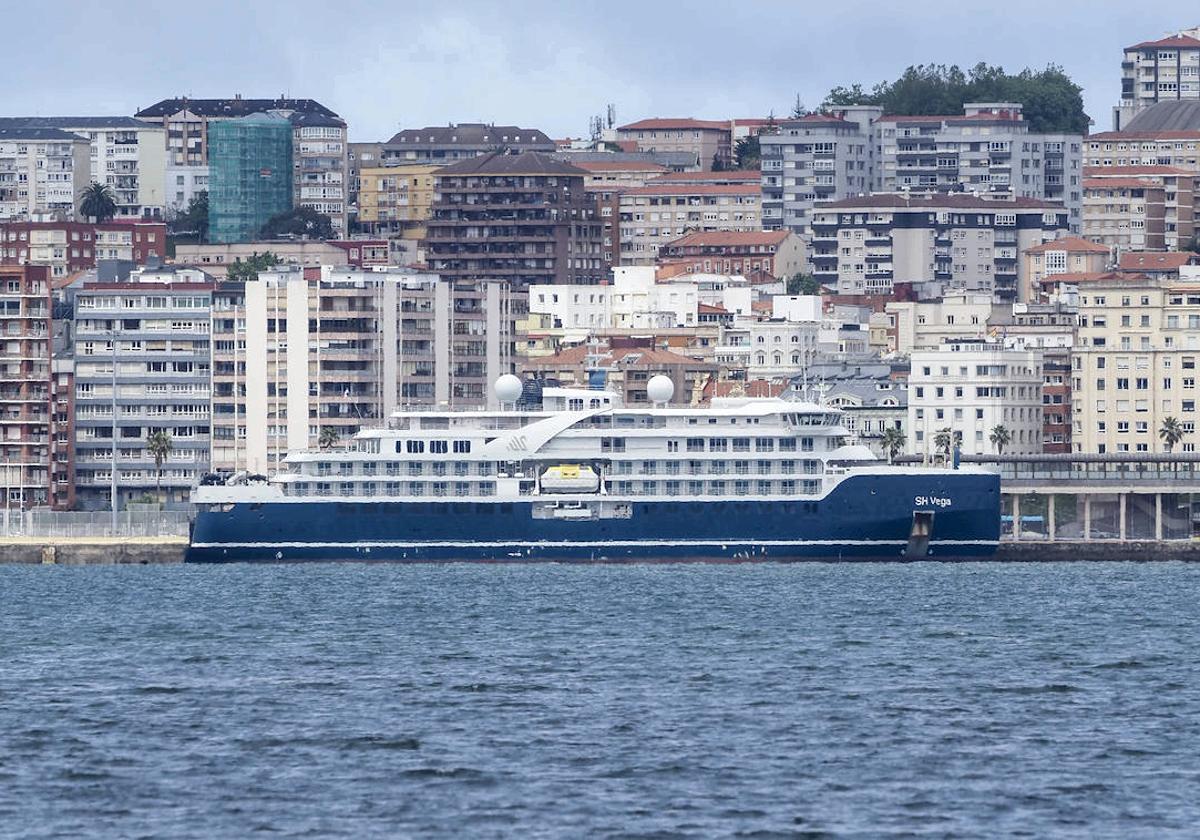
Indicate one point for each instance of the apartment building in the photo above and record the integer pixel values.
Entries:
(1140, 208)
(971, 386)
(709, 140)
(25, 386)
(320, 167)
(162, 357)
(216, 260)
(986, 149)
(866, 245)
(127, 155)
(396, 201)
(816, 158)
(302, 350)
(43, 173)
(523, 218)
(251, 178)
(660, 212)
(443, 144)
(605, 180)
(1068, 255)
(67, 247)
(1162, 70)
(777, 253)
(1135, 363)
(1157, 147)
(872, 396)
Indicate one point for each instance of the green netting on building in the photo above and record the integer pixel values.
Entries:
(250, 175)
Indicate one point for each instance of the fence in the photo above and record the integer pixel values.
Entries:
(85, 524)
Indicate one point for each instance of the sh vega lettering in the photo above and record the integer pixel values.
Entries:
(932, 501)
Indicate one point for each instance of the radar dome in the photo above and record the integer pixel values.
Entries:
(660, 389)
(508, 388)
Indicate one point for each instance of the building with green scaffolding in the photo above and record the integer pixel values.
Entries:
(250, 178)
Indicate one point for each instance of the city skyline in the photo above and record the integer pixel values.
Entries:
(553, 68)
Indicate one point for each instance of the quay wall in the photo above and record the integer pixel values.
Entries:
(92, 553)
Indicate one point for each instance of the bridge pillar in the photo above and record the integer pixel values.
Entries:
(1016, 515)
(1050, 517)
(1122, 501)
(1087, 516)
(1158, 529)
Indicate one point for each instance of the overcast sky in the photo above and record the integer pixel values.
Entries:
(547, 65)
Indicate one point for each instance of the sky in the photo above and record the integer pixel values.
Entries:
(548, 65)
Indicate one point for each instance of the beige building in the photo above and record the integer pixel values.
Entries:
(1180, 149)
(1135, 363)
(709, 140)
(1140, 208)
(396, 200)
(1068, 255)
(929, 324)
(658, 213)
(43, 172)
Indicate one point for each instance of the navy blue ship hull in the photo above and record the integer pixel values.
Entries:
(866, 517)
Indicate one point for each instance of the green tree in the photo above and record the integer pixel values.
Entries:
(798, 109)
(748, 153)
(299, 221)
(192, 223)
(159, 445)
(1171, 433)
(803, 284)
(1051, 101)
(1000, 438)
(248, 269)
(98, 202)
(328, 438)
(893, 442)
(718, 165)
(945, 440)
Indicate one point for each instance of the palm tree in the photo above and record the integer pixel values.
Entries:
(945, 441)
(99, 202)
(159, 445)
(1171, 433)
(329, 437)
(893, 442)
(1000, 438)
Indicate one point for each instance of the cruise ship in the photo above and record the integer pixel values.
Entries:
(571, 475)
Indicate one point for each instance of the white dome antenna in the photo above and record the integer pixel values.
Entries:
(508, 389)
(660, 389)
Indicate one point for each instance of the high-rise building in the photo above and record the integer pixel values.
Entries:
(301, 351)
(251, 175)
(661, 212)
(522, 218)
(163, 369)
(442, 144)
(25, 386)
(709, 140)
(1166, 69)
(321, 166)
(396, 200)
(1140, 208)
(43, 173)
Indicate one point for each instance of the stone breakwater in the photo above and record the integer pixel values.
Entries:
(92, 552)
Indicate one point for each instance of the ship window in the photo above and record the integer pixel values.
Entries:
(461, 468)
(717, 444)
(764, 444)
(415, 446)
(612, 444)
(787, 444)
(462, 446)
(398, 447)
(345, 468)
(438, 447)
(695, 444)
(806, 444)
(741, 444)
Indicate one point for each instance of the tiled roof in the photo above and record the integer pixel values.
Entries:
(1119, 183)
(695, 189)
(727, 238)
(470, 134)
(68, 123)
(620, 166)
(673, 123)
(709, 309)
(729, 176)
(235, 107)
(1168, 115)
(499, 163)
(1172, 41)
(1090, 277)
(1119, 136)
(1156, 260)
(623, 357)
(1071, 244)
(964, 202)
(22, 133)
(1108, 171)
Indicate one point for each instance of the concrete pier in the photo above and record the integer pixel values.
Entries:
(93, 551)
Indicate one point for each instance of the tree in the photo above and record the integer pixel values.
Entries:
(893, 442)
(98, 201)
(748, 153)
(1000, 438)
(1051, 101)
(945, 440)
(299, 221)
(194, 220)
(798, 109)
(718, 165)
(1171, 433)
(159, 445)
(248, 269)
(803, 284)
(329, 437)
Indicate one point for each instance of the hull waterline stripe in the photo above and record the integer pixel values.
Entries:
(577, 543)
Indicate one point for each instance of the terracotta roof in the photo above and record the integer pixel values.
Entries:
(755, 388)
(1072, 244)
(1118, 136)
(965, 202)
(1090, 277)
(1172, 41)
(709, 309)
(670, 123)
(621, 356)
(620, 166)
(1156, 260)
(762, 306)
(1109, 171)
(724, 238)
(1119, 183)
(695, 189)
(500, 163)
(731, 176)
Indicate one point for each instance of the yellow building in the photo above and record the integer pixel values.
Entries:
(396, 200)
